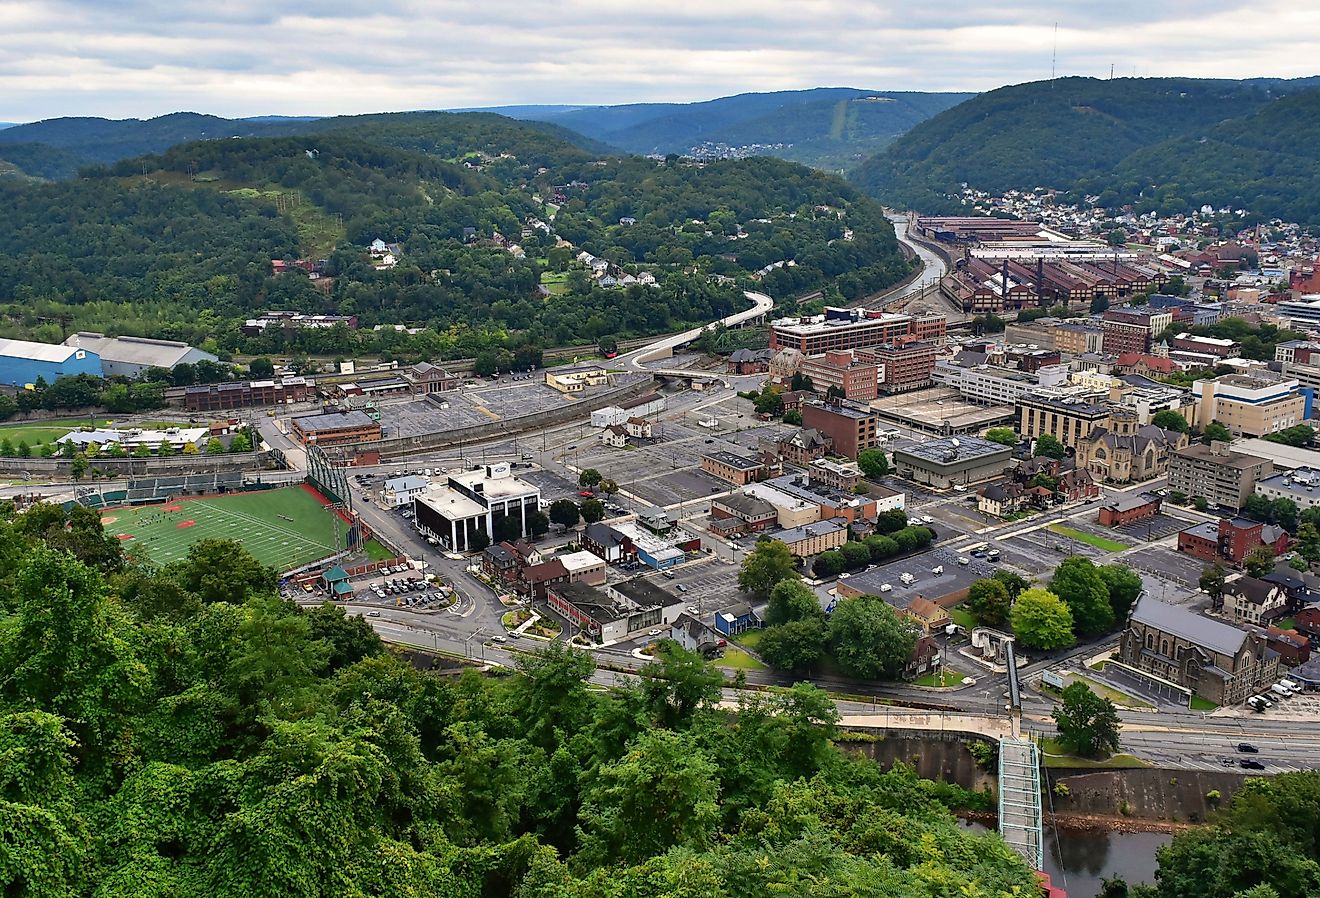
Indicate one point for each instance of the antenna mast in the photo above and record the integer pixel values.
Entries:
(1054, 54)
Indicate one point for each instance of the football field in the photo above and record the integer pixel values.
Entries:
(282, 528)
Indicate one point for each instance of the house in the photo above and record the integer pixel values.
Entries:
(538, 578)
(736, 618)
(401, 491)
(605, 617)
(1001, 499)
(500, 562)
(695, 636)
(737, 513)
(749, 361)
(1248, 600)
(804, 446)
(1294, 648)
(656, 519)
(427, 378)
(1129, 509)
(638, 428)
(926, 615)
(1308, 620)
(608, 543)
(615, 436)
(924, 658)
(739, 470)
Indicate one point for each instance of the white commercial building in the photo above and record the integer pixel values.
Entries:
(455, 510)
(402, 490)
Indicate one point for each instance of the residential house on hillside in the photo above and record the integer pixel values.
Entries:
(1248, 600)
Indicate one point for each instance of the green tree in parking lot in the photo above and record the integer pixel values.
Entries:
(880, 547)
(1088, 723)
(589, 478)
(608, 487)
(564, 512)
(765, 566)
(1041, 620)
(1212, 581)
(592, 510)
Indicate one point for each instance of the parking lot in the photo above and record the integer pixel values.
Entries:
(933, 409)
(706, 584)
(1158, 527)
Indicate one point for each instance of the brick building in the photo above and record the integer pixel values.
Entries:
(240, 394)
(1129, 510)
(852, 329)
(737, 469)
(844, 370)
(904, 365)
(851, 429)
(335, 428)
(1231, 540)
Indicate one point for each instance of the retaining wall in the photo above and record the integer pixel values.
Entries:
(174, 465)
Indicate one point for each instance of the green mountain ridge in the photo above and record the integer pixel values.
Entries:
(1073, 134)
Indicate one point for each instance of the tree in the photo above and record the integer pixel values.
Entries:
(989, 602)
(589, 478)
(1014, 583)
(222, 570)
(478, 540)
(829, 564)
(792, 600)
(608, 346)
(1200, 503)
(1041, 620)
(1099, 305)
(592, 510)
(1004, 436)
(1170, 420)
(538, 524)
(1216, 432)
(1049, 446)
(24, 450)
(1284, 512)
(802, 381)
(1259, 561)
(796, 646)
(768, 403)
(78, 467)
(891, 521)
(261, 368)
(793, 417)
(1124, 585)
(873, 463)
(677, 684)
(765, 566)
(6, 447)
(868, 639)
(855, 554)
(1212, 582)
(608, 487)
(165, 449)
(662, 794)
(349, 637)
(1087, 723)
(564, 512)
(214, 446)
(1078, 582)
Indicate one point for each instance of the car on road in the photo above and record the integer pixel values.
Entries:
(655, 632)
(373, 614)
(1247, 747)
(1251, 764)
(499, 639)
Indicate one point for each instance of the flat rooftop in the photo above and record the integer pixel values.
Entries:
(335, 421)
(733, 460)
(953, 449)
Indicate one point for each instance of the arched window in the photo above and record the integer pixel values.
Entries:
(1164, 647)
(1150, 641)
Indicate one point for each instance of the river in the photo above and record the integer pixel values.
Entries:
(1078, 860)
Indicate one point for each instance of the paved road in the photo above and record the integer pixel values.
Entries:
(661, 348)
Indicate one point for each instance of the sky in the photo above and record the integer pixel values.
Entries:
(140, 58)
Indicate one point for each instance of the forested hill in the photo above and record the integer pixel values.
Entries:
(75, 142)
(828, 127)
(485, 217)
(1069, 133)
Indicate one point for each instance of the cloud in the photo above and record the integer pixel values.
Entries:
(121, 58)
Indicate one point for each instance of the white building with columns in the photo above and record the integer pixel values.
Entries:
(454, 509)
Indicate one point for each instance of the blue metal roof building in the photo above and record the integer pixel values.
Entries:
(22, 362)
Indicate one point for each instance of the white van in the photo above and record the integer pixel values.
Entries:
(1291, 684)
(906, 579)
(1282, 691)
(885, 587)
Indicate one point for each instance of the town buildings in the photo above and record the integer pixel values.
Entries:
(1223, 476)
(1252, 404)
(851, 429)
(1301, 486)
(852, 329)
(1254, 602)
(804, 446)
(738, 469)
(23, 363)
(952, 461)
(400, 491)
(609, 616)
(738, 513)
(576, 378)
(903, 365)
(1129, 510)
(134, 356)
(1176, 647)
(1133, 329)
(1068, 420)
(474, 502)
(335, 428)
(1230, 540)
(240, 394)
(1128, 452)
(844, 371)
(812, 539)
(254, 327)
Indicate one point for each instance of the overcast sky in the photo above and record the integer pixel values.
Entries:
(139, 58)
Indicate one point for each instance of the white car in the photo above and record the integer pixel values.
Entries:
(963, 559)
(885, 587)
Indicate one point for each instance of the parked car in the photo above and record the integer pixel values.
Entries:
(1250, 764)
(587, 494)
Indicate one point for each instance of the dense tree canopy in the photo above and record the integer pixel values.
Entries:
(160, 740)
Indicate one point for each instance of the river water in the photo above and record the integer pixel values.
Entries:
(1078, 860)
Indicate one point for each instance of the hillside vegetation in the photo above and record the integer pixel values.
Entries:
(184, 732)
(179, 244)
(1128, 139)
(829, 128)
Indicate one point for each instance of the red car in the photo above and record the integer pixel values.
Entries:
(587, 494)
